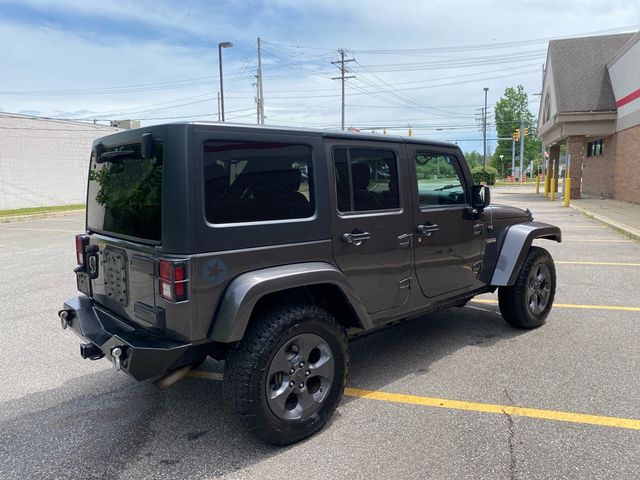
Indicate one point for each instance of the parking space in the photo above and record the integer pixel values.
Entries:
(458, 395)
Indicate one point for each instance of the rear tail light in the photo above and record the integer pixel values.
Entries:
(173, 280)
(81, 242)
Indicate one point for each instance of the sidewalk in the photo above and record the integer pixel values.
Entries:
(621, 216)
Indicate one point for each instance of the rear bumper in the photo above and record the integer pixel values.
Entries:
(144, 355)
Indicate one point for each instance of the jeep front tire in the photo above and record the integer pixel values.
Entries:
(287, 375)
(526, 304)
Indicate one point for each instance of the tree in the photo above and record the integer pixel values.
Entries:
(509, 111)
(473, 158)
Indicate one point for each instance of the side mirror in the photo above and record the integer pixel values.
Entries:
(481, 195)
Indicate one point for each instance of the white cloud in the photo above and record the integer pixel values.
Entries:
(45, 58)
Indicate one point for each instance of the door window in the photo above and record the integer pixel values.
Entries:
(440, 180)
(366, 179)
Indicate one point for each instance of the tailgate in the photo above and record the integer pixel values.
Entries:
(126, 281)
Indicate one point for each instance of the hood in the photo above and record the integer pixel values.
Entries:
(504, 212)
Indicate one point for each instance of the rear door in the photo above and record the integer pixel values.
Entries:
(448, 245)
(371, 222)
(124, 219)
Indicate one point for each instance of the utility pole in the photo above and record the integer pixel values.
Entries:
(257, 98)
(522, 135)
(484, 127)
(342, 76)
(513, 154)
(218, 106)
(260, 91)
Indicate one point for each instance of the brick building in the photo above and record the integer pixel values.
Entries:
(43, 161)
(591, 109)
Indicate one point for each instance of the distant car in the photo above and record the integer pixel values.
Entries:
(269, 247)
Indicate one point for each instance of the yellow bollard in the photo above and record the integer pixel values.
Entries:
(552, 192)
(567, 191)
(546, 186)
(538, 183)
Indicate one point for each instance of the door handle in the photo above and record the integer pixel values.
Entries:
(477, 228)
(404, 240)
(356, 237)
(427, 229)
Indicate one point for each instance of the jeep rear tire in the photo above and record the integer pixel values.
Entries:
(287, 375)
(526, 304)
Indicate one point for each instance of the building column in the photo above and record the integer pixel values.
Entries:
(576, 148)
(554, 161)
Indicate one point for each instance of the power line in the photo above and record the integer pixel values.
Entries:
(471, 47)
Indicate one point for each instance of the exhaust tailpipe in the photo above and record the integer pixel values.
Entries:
(173, 377)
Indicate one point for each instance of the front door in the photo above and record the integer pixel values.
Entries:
(448, 239)
(371, 229)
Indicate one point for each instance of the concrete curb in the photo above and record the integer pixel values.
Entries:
(31, 216)
(625, 229)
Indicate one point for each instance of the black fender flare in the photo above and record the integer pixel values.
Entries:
(515, 245)
(244, 291)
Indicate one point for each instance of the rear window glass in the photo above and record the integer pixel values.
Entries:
(125, 193)
(257, 181)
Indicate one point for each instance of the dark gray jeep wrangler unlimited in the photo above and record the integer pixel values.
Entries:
(268, 247)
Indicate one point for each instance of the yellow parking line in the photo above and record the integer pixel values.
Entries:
(556, 415)
(559, 416)
(594, 240)
(571, 305)
(610, 264)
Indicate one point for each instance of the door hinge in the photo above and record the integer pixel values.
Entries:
(404, 283)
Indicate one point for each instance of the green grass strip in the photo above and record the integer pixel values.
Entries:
(38, 210)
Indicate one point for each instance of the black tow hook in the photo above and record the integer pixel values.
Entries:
(90, 351)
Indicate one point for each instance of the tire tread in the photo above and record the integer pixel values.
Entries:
(511, 299)
(241, 364)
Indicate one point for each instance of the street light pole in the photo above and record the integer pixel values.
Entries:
(222, 45)
(484, 127)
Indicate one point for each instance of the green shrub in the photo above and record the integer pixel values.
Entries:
(488, 176)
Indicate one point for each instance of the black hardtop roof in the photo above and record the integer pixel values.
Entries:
(245, 128)
(323, 133)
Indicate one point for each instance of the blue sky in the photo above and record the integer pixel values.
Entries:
(418, 64)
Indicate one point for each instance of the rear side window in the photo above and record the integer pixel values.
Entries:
(366, 179)
(257, 182)
(125, 193)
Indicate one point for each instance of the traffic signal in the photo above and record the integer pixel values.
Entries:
(516, 135)
(526, 131)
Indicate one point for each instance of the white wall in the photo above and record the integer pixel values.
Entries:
(44, 162)
(625, 79)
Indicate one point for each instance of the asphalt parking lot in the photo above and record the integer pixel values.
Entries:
(457, 395)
